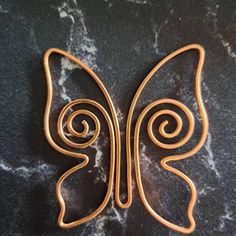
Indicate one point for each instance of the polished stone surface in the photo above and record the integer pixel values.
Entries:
(121, 41)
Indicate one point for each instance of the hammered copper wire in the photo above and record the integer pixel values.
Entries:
(115, 139)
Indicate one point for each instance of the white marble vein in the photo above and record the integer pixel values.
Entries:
(157, 28)
(120, 115)
(139, 2)
(229, 49)
(80, 43)
(205, 190)
(209, 97)
(41, 170)
(109, 3)
(209, 160)
(174, 78)
(33, 40)
(147, 164)
(227, 216)
(212, 11)
(98, 146)
(2, 10)
(101, 176)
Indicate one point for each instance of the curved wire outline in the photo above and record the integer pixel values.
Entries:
(165, 160)
(128, 202)
(75, 154)
(116, 147)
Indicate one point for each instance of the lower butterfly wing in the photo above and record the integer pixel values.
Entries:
(163, 133)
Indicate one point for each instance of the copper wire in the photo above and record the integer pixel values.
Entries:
(62, 150)
(115, 139)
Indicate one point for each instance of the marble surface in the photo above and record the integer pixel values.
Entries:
(121, 41)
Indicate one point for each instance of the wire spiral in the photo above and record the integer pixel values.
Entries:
(163, 125)
(69, 124)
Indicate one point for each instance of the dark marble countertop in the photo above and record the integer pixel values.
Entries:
(121, 41)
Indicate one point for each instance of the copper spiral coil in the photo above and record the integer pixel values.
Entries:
(115, 140)
(69, 124)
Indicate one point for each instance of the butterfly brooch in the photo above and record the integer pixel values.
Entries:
(132, 144)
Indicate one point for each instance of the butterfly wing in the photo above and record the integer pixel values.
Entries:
(164, 162)
(73, 147)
